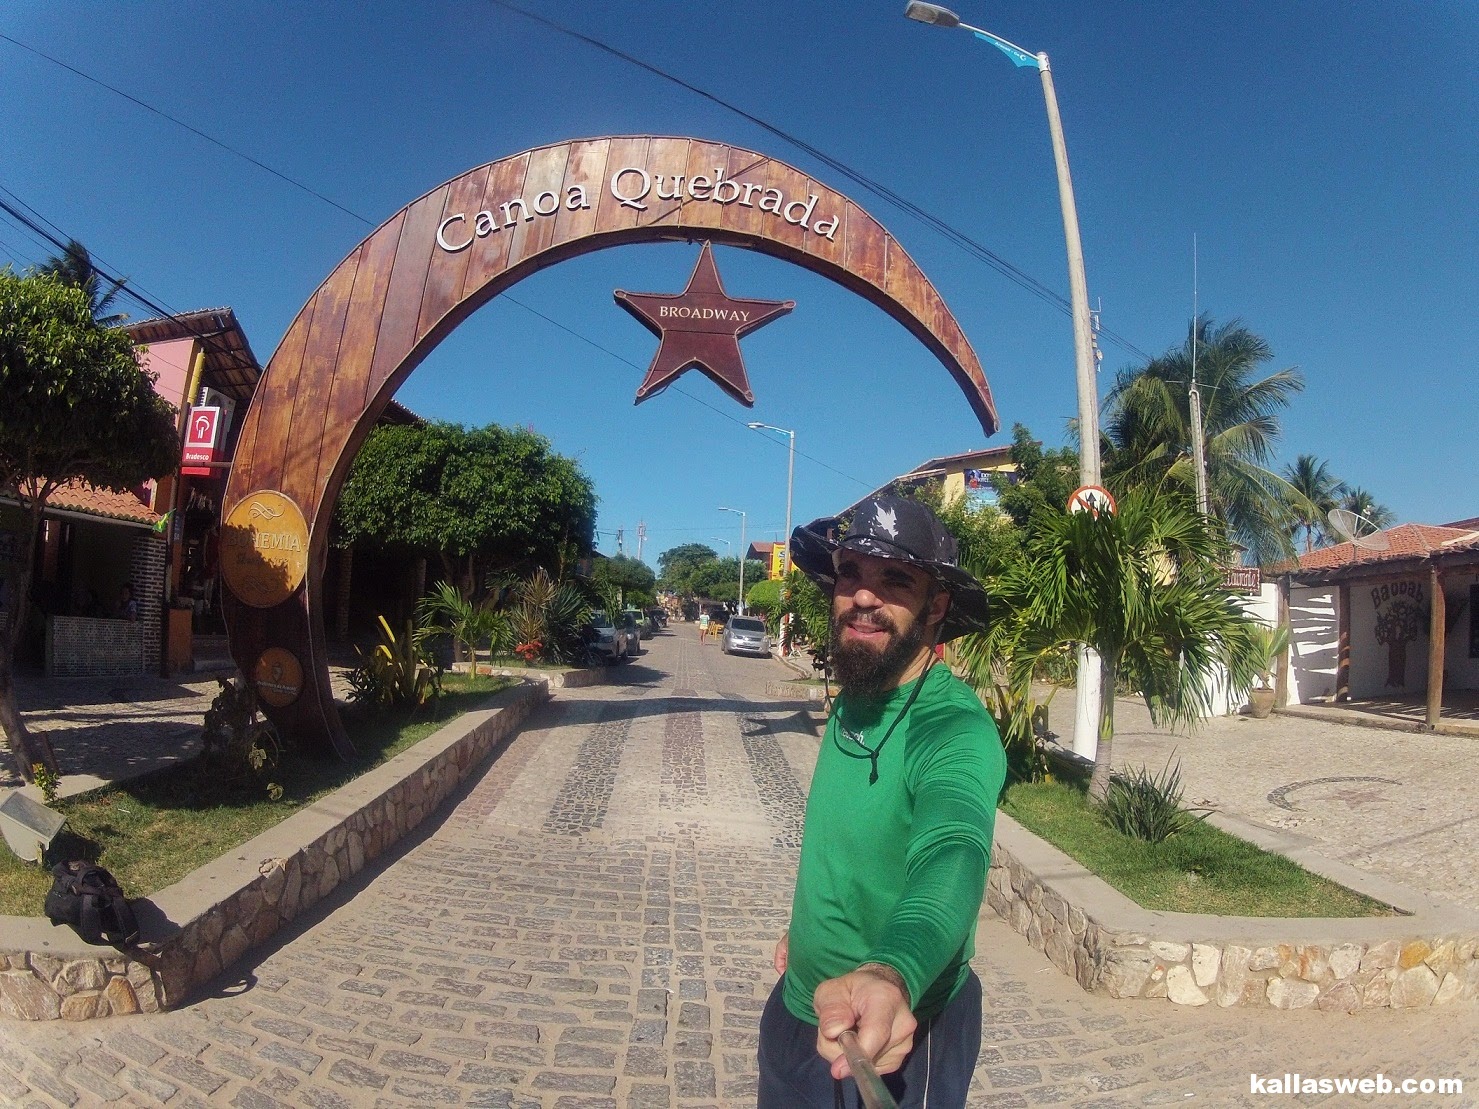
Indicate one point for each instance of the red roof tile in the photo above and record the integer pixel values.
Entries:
(1405, 541)
(78, 496)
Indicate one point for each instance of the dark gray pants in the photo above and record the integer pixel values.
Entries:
(935, 1075)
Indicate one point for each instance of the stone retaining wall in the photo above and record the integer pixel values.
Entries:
(200, 925)
(1428, 955)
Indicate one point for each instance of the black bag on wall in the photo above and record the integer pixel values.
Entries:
(89, 899)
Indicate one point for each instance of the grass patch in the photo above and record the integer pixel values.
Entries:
(153, 830)
(1201, 870)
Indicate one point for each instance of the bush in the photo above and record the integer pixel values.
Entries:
(1148, 807)
(237, 743)
(397, 671)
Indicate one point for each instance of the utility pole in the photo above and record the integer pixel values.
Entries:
(641, 537)
(619, 548)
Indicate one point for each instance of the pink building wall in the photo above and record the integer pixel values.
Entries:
(171, 361)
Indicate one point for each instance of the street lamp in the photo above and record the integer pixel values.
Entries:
(743, 549)
(717, 539)
(790, 483)
(1086, 728)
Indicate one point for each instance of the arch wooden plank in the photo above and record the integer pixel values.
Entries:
(445, 254)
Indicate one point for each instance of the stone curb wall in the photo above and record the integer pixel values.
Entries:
(202, 924)
(1109, 944)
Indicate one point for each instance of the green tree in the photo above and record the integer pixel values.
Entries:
(74, 267)
(1313, 491)
(1044, 479)
(764, 599)
(1363, 504)
(678, 565)
(484, 500)
(1143, 588)
(76, 405)
(631, 576)
(1148, 428)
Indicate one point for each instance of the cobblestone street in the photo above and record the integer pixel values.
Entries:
(589, 925)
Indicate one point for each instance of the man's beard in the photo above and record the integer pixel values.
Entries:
(865, 672)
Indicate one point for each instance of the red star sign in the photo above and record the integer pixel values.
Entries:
(701, 326)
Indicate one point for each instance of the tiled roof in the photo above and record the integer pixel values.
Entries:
(78, 496)
(1406, 541)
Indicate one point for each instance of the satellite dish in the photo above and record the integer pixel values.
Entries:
(1358, 530)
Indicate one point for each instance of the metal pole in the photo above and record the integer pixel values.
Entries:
(744, 548)
(790, 481)
(1088, 695)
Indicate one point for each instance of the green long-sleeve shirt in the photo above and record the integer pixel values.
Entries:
(894, 871)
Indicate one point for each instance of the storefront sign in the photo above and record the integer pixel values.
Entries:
(278, 677)
(264, 549)
(201, 433)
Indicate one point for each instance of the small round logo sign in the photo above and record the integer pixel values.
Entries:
(264, 548)
(1093, 499)
(278, 677)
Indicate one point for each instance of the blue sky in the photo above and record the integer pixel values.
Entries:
(1323, 154)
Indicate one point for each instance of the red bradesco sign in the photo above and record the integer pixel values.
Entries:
(200, 440)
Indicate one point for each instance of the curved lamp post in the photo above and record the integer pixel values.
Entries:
(1086, 717)
(743, 549)
(790, 481)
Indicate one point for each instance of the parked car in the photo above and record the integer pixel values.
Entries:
(745, 635)
(640, 621)
(609, 641)
(627, 622)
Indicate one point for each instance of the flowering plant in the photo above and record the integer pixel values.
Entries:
(529, 651)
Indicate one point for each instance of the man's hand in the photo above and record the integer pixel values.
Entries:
(782, 952)
(872, 999)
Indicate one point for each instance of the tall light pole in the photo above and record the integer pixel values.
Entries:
(1086, 726)
(727, 544)
(790, 483)
(743, 549)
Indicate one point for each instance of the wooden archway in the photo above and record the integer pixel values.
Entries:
(439, 259)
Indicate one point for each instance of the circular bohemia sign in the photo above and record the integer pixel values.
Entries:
(278, 677)
(1092, 499)
(264, 548)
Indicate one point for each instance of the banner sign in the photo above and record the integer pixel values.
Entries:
(201, 432)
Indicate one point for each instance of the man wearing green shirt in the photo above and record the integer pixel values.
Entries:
(898, 827)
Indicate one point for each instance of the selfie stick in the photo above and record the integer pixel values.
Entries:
(875, 1093)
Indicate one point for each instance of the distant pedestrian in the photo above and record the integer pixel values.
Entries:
(128, 607)
(703, 626)
(898, 828)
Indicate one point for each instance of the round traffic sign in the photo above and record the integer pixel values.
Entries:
(1092, 499)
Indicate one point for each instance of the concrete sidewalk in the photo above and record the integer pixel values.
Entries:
(108, 729)
(1397, 803)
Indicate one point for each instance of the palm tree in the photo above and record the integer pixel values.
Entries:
(1144, 588)
(1363, 504)
(1313, 491)
(75, 267)
(1149, 432)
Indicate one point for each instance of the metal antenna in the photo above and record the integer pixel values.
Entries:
(1194, 395)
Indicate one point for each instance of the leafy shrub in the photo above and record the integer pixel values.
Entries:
(397, 671)
(446, 612)
(46, 781)
(550, 613)
(238, 743)
(1148, 807)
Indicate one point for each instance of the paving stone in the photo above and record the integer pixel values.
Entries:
(570, 934)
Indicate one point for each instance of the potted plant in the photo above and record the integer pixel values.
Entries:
(1269, 646)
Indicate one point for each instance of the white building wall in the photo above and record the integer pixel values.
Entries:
(1382, 669)
(1461, 592)
(1314, 643)
(1265, 609)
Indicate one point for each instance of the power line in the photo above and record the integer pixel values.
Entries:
(959, 238)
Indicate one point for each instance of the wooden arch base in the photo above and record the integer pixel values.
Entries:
(403, 289)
